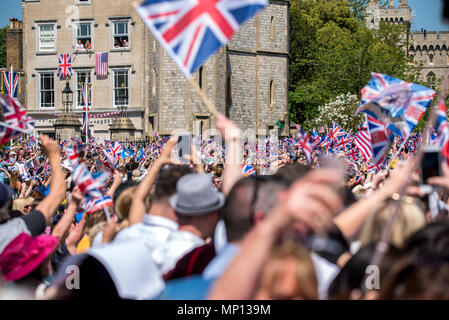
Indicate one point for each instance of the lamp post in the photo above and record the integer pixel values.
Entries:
(67, 125)
(67, 98)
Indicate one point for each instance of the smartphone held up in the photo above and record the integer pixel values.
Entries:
(430, 164)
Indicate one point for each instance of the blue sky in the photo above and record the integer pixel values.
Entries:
(428, 13)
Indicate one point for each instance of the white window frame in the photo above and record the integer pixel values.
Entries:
(114, 70)
(41, 73)
(113, 22)
(39, 25)
(76, 96)
(77, 24)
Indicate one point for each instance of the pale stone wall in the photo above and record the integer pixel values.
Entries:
(99, 12)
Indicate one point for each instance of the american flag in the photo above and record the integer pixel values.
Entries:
(396, 103)
(16, 119)
(192, 30)
(11, 83)
(363, 141)
(65, 65)
(102, 64)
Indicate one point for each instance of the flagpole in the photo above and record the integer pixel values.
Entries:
(397, 153)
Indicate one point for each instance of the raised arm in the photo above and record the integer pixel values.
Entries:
(64, 224)
(58, 186)
(232, 170)
(137, 209)
(310, 202)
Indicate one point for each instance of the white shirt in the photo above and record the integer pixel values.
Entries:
(178, 244)
(325, 273)
(153, 230)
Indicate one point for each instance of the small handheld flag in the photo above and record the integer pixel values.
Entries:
(192, 30)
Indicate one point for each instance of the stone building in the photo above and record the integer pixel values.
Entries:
(54, 27)
(247, 80)
(14, 53)
(427, 47)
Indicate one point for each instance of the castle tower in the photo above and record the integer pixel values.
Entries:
(247, 80)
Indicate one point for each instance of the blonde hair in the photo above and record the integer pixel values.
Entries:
(410, 218)
(306, 286)
(21, 203)
(123, 203)
(94, 223)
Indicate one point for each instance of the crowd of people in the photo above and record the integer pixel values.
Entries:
(204, 228)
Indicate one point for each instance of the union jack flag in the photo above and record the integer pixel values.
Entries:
(117, 149)
(396, 103)
(73, 154)
(324, 141)
(305, 143)
(442, 130)
(192, 30)
(65, 65)
(16, 119)
(93, 205)
(86, 108)
(11, 83)
(336, 132)
(248, 170)
(379, 140)
(111, 160)
(88, 185)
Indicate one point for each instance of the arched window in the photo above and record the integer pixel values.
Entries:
(391, 20)
(444, 47)
(431, 77)
(412, 57)
(412, 48)
(153, 89)
(438, 48)
(418, 48)
(228, 91)
(401, 20)
(424, 48)
(272, 94)
(272, 28)
(200, 78)
(431, 48)
(430, 58)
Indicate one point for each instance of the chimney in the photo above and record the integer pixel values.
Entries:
(14, 44)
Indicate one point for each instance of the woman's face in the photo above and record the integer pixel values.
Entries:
(27, 209)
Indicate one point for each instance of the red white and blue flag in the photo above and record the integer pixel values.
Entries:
(248, 170)
(102, 64)
(192, 30)
(362, 140)
(85, 94)
(88, 185)
(93, 205)
(396, 103)
(16, 120)
(73, 154)
(336, 132)
(379, 139)
(65, 65)
(117, 149)
(11, 83)
(442, 130)
(305, 143)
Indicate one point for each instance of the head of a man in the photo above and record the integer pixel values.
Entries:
(197, 203)
(250, 200)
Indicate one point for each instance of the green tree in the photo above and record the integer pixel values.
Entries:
(334, 53)
(3, 47)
